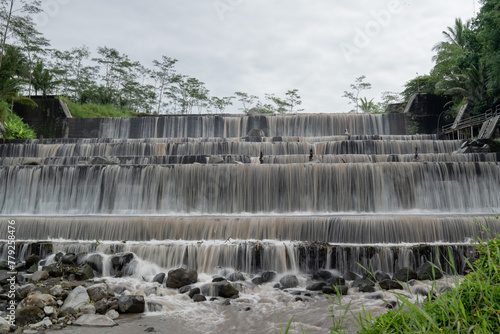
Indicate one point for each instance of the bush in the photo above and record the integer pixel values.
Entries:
(15, 128)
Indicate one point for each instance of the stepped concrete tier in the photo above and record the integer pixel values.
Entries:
(197, 192)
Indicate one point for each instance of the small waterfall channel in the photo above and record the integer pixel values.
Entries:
(197, 192)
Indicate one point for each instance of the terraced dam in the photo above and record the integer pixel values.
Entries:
(299, 197)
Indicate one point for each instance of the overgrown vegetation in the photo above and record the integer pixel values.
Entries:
(94, 110)
(15, 128)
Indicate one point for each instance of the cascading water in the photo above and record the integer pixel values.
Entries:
(195, 191)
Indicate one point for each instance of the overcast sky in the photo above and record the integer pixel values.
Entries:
(267, 46)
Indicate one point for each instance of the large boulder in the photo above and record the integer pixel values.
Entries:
(131, 304)
(120, 261)
(95, 262)
(225, 289)
(99, 291)
(76, 299)
(39, 276)
(428, 271)
(178, 278)
(40, 301)
(159, 278)
(389, 284)
(28, 315)
(85, 273)
(405, 274)
(289, 281)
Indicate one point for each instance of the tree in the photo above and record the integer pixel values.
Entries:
(420, 84)
(220, 103)
(388, 98)
(293, 100)
(280, 105)
(356, 88)
(43, 80)
(12, 13)
(164, 76)
(246, 100)
(367, 106)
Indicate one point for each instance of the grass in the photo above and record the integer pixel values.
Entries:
(472, 307)
(94, 110)
(15, 128)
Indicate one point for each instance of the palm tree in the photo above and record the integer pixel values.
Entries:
(454, 37)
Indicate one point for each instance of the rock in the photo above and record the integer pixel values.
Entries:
(88, 309)
(159, 278)
(178, 278)
(48, 310)
(154, 307)
(150, 291)
(334, 290)
(76, 299)
(322, 275)
(268, 276)
(95, 262)
(254, 112)
(40, 301)
(39, 276)
(69, 259)
(101, 306)
(28, 315)
(120, 261)
(318, 286)
(32, 269)
(195, 291)
(257, 280)
(53, 269)
(335, 280)
(112, 314)
(215, 160)
(350, 276)
(218, 279)
(256, 133)
(236, 276)
(381, 276)
(185, 288)
(428, 271)
(131, 304)
(95, 320)
(364, 285)
(405, 274)
(289, 281)
(226, 290)
(199, 298)
(4, 325)
(23, 291)
(99, 291)
(389, 284)
(150, 330)
(85, 273)
(45, 323)
(32, 259)
(56, 291)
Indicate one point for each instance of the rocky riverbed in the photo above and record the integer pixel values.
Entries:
(69, 294)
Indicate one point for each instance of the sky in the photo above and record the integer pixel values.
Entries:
(267, 46)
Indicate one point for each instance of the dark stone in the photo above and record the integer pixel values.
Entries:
(120, 261)
(405, 274)
(428, 271)
(101, 306)
(69, 259)
(257, 280)
(381, 276)
(322, 275)
(254, 112)
(390, 284)
(53, 269)
(32, 259)
(154, 307)
(364, 285)
(226, 290)
(199, 298)
(289, 281)
(28, 315)
(99, 291)
(131, 304)
(350, 276)
(32, 269)
(159, 278)
(195, 291)
(318, 286)
(58, 256)
(218, 279)
(391, 304)
(333, 290)
(256, 133)
(95, 262)
(185, 288)
(236, 276)
(178, 278)
(268, 276)
(335, 280)
(85, 273)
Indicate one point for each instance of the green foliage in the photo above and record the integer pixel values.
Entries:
(368, 106)
(420, 84)
(94, 110)
(15, 128)
(358, 86)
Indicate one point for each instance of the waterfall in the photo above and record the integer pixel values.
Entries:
(196, 191)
